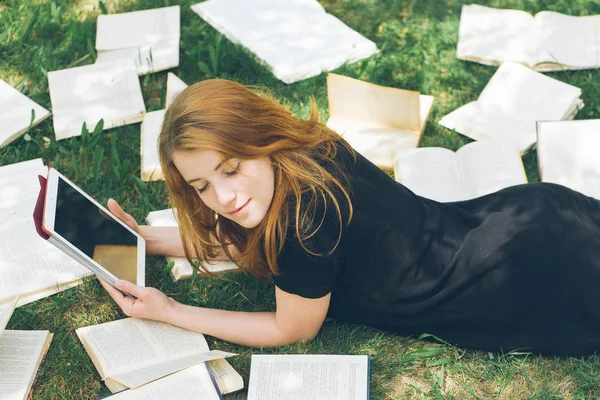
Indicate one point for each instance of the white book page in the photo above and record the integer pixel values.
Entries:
(151, 125)
(297, 39)
(568, 154)
(29, 265)
(191, 383)
(90, 93)
(568, 40)
(308, 377)
(182, 268)
(6, 310)
(174, 87)
(488, 166)
(430, 172)
(377, 144)
(131, 344)
(16, 113)
(21, 353)
(148, 58)
(528, 95)
(118, 31)
(228, 380)
(495, 35)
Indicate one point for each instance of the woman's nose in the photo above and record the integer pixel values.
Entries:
(225, 194)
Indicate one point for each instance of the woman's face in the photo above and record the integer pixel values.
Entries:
(240, 190)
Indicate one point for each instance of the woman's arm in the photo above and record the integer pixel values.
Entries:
(296, 318)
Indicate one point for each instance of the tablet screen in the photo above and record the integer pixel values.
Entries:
(95, 233)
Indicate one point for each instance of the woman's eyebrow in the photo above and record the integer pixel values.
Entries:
(216, 168)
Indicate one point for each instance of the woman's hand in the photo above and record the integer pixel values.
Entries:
(116, 209)
(150, 303)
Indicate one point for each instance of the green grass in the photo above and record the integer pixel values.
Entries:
(417, 40)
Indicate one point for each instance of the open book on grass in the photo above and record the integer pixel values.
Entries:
(132, 352)
(309, 377)
(174, 87)
(181, 267)
(376, 120)
(21, 355)
(550, 41)
(19, 112)
(296, 39)
(30, 267)
(569, 154)
(476, 169)
(515, 98)
(90, 93)
(150, 38)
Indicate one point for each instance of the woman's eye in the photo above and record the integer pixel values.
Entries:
(202, 189)
(233, 171)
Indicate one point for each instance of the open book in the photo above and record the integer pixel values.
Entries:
(150, 38)
(309, 377)
(30, 267)
(19, 112)
(181, 267)
(376, 120)
(509, 106)
(547, 42)
(90, 93)
(569, 154)
(476, 169)
(21, 354)
(296, 39)
(132, 352)
(150, 130)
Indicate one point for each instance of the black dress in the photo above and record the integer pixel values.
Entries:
(516, 269)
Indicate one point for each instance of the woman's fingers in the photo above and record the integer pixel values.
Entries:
(130, 288)
(116, 209)
(119, 298)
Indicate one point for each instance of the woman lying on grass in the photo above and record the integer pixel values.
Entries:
(289, 200)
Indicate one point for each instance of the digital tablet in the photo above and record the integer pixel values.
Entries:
(89, 233)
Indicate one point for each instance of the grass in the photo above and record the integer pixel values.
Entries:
(417, 40)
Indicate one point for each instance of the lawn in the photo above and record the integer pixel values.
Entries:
(417, 42)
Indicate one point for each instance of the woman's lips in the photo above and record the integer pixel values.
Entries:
(236, 211)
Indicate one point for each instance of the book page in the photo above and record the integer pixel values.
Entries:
(191, 383)
(133, 29)
(21, 353)
(488, 166)
(567, 40)
(296, 39)
(174, 87)
(182, 268)
(366, 103)
(430, 172)
(29, 265)
(309, 377)
(109, 91)
(6, 310)
(151, 170)
(15, 117)
(568, 154)
(228, 380)
(147, 58)
(132, 344)
(491, 35)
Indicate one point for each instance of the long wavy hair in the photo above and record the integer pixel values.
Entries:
(237, 122)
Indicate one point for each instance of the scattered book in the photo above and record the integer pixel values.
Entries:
(19, 113)
(150, 38)
(181, 267)
(509, 106)
(131, 352)
(309, 377)
(550, 41)
(191, 383)
(31, 268)
(376, 120)
(21, 355)
(569, 154)
(476, 169)
(295, 39)
(90, 93)
(174, 87)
